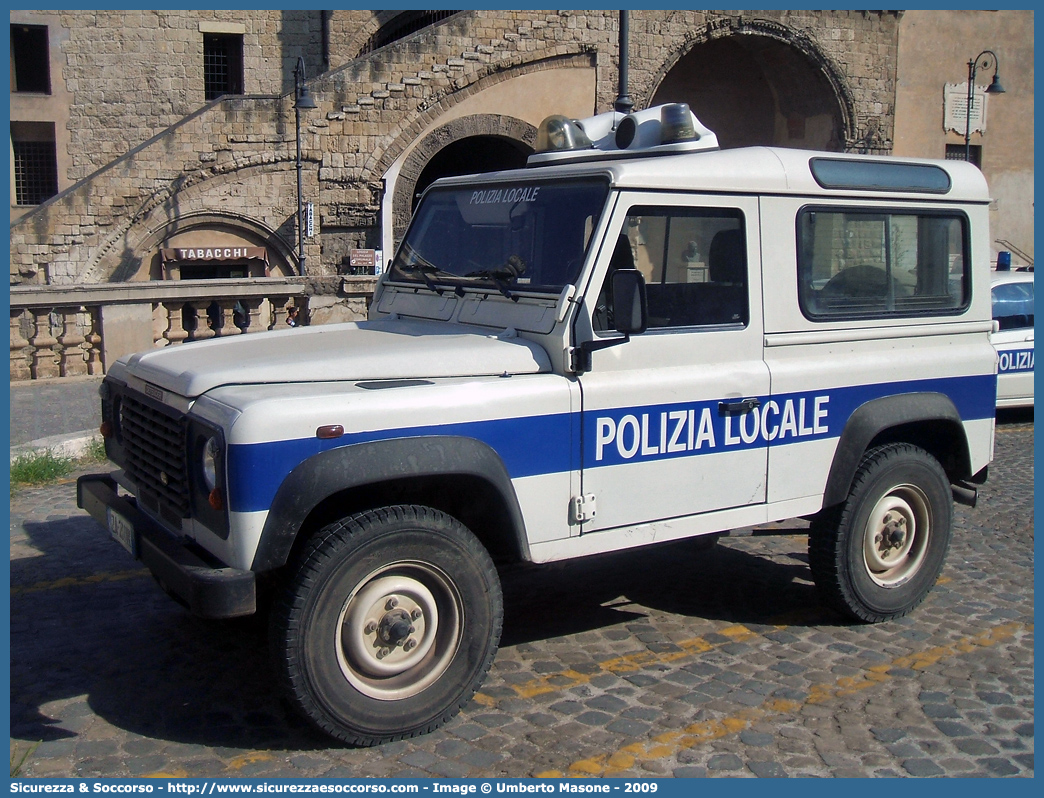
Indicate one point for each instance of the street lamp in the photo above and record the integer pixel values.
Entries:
(303, 101)
(981, 61)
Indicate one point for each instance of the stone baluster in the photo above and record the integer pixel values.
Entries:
(226, 318)
(93, 342)
(71, 361)
(44, 359)
(278, 305)
(202, 330)
(253, 309)
(176, 332)
(19, 361)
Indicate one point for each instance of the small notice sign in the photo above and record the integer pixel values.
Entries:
(955, 108)
(366, 258)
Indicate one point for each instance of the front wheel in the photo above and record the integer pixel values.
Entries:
(877, 555)
(389, 623)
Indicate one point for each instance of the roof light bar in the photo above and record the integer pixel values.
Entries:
(661, 130)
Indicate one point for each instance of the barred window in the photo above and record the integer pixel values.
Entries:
(222, 64)
(955, 152)
(35, 162)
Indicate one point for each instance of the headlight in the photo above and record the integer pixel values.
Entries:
(209, 463)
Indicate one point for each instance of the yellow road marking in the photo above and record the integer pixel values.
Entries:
(236, 763)
(239, 762)
(628, 663)
(670, 743)
(76, 581)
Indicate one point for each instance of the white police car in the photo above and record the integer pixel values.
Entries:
(1013, 311)
(639, 338)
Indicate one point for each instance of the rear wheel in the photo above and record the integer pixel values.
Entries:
(389, 623)
(877, 555)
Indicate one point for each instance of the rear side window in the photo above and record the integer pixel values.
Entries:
(857, 264)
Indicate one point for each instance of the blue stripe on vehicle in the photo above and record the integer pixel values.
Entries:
(527, 446)
(536, 445)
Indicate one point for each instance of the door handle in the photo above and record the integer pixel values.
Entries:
(738, 408)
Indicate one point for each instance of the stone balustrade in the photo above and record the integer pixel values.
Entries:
(79, 330)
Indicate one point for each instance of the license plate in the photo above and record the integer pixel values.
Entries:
(122, 530)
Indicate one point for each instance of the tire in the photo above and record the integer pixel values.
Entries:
(877, 555)
(387, 625)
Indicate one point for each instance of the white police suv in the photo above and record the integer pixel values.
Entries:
(638, 338)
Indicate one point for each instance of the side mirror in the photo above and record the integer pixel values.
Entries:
(630, 316)
(630, 302)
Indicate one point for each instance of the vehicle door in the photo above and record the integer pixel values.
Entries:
(671, 418)
(1013, 312)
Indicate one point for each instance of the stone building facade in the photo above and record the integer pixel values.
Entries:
(147, 165)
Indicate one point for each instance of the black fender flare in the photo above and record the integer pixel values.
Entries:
(357, 465)
(874, 417)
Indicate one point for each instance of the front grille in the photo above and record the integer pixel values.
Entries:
(154, 444)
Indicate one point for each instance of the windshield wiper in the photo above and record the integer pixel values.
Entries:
(501, 276)
(426, 270)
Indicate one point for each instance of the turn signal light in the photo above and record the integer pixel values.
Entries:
(217, 501)
(105, 429)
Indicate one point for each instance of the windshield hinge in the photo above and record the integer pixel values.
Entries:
(582, 508)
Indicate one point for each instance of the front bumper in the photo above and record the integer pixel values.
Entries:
(206, 590)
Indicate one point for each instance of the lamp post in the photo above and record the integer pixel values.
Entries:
(981, 61)
(303, 101)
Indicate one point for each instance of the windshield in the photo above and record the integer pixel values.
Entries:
(521, 236)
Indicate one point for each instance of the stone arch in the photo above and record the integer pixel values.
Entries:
(484, 125)
(253, 232)
(191, 198)
(396, 25)
(760, 37)
(564, 56)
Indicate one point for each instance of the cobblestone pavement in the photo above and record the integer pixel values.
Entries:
(669, 661)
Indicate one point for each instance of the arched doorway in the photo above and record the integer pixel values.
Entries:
(469, 144)
(469, 156)
(758, 90)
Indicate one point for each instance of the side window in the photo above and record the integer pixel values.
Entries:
(694, 262)
(864, 264)
(1013, 305)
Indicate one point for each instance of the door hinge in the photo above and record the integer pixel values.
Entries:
(582, 508)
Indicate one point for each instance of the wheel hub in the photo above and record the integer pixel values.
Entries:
(394, 636)
(896, 536)
(394, 628)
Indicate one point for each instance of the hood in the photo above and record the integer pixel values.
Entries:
(377, 350)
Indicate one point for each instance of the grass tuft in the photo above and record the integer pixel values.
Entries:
(18, 762)
(40, 467)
